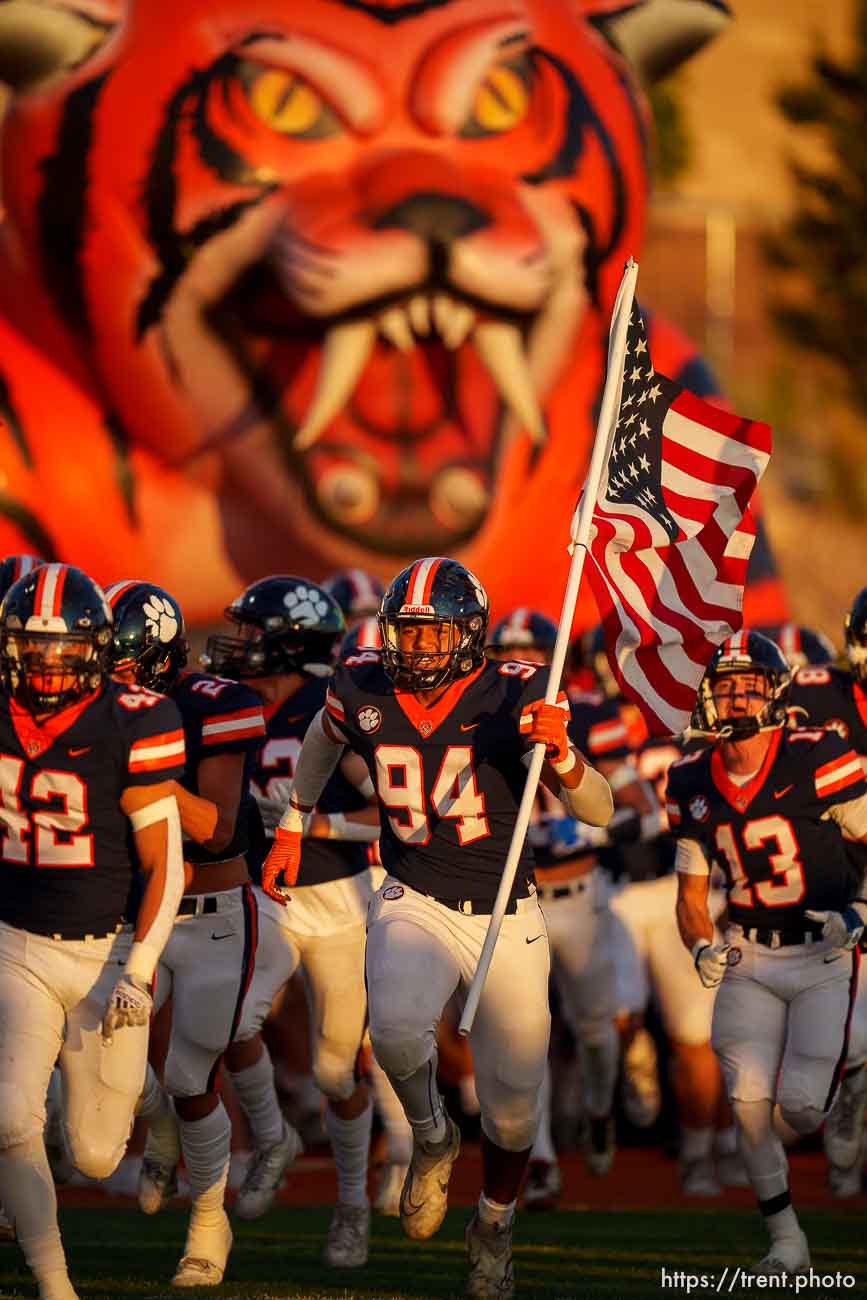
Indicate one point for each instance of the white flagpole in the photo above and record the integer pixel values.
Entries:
(580, 532)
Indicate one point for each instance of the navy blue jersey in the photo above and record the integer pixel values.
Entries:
(449, 776)
(596, 728)
(273, 770)
(780, 851)
(220, 717)
(65, 846)
(831, 698)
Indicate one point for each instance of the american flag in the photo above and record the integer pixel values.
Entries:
(671, 534)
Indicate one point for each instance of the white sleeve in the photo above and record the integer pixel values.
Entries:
(145, 952)
(690, 860)
(318, 758)
(851, 817)
(591, 801)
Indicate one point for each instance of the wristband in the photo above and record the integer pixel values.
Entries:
(697, 949)
(292, 820)
(158, 811)
(567, 765)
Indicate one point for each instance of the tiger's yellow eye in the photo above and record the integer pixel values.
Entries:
(501, 102)
(289, 104)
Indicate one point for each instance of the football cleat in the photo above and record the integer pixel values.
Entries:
(642, 1096)
(844, 1127)
(205, 1256)
(697, 1178)
(542, 1188)
(265, 1174)
(348, 1237)
(391, 1180)
(157, 1184)
(489, 1248)
(599, 1144)
(787, 1255)
(425, 1194)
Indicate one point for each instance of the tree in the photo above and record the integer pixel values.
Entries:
(820, 301)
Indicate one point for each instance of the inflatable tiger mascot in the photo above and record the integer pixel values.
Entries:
(291, 285)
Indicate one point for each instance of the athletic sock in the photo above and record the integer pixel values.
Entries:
(726, 1141)
(206, 1147)
(422, 1103)
(398, 1131)
(155, 1106)
(495, 1215)
(28, 1196)
(350, 1143)
(258, 1098)
(695, 1144)
(599, 1065)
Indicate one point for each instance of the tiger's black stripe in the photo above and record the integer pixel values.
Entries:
(122, 468)
(10, 417)
(26, 522)
(62, 207)
(580, 117)
(174, 247)
(392, 15)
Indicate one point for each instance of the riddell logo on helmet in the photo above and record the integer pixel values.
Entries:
(427, 610)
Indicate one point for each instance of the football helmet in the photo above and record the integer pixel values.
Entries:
(357, 593)
(364, 636)
(802, 646)
(13, 567)
(148, 637)
(855, 632)
(286, 625)
(745, 652)
(55, 633)
(522, 630)
(434, 591)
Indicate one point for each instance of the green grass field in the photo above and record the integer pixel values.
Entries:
(565, 1256)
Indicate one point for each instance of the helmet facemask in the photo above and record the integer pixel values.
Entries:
(769, 717)
(461, 649)
(47, 671)
(256, 652)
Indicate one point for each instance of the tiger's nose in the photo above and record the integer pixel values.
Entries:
(437, 218)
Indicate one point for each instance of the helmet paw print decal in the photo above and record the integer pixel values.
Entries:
(161, 621)
(305, 605)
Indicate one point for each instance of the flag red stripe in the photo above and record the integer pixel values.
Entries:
(751, 433)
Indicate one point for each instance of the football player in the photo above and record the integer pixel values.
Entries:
(823, 695)
(285, 630)
(357, 593)
(207, 963)
(573, 890)
(650, 961)
(770, 806)
(801, 646)
(13, 567)
(84, 761)
(444, 734)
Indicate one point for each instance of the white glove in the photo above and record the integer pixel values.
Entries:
(711, 961)
(130, 1004)
(842, 929)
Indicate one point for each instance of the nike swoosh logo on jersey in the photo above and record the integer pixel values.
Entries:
(75, 753)
(468, 726)
(538, 936)
(222, 936)
(778, 794)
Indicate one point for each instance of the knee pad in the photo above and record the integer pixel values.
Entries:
(186, 1077)
(803, 1119)
(19, 1119)
(334, 1071)
(400, 1049)
(512, 1123)
(94, 1153)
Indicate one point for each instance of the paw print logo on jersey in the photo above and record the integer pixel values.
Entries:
(305, 605)
(699, 808)
(369, 719)
(161, 621)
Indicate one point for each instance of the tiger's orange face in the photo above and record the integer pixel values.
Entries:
(332, 257)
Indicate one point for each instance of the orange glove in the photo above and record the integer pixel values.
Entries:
(549, 727)
(284, 858)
